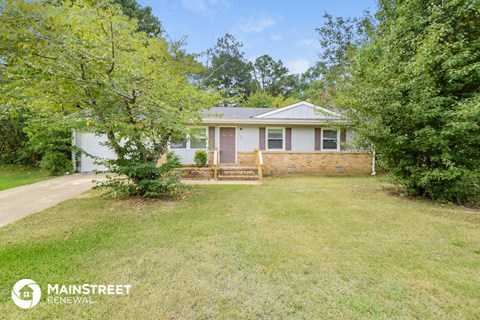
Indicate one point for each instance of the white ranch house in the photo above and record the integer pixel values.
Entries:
(301, 137)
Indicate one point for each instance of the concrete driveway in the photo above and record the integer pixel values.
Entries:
(22, 201)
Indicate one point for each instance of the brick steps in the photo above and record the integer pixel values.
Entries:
(238, 173)
(239, 177)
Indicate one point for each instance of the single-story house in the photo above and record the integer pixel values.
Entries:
(301, 137)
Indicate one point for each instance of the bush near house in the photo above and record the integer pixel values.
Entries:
(201, 158)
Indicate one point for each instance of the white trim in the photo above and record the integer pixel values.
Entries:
(267, 122)
(188, 145)
(338, 139)
(206, 139)
(308, 104)
(283, 138)
(236, 141)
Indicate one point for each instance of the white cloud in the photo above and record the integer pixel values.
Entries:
(255, 23)
(298, 66)
(203, 6)
(309, 43)
(276, 37)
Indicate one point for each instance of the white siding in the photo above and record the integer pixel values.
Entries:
(300, 112)
(186, 155)
(303, 139)
(247, 138)
(91, 144)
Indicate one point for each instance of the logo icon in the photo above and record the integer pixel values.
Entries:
(26, 293)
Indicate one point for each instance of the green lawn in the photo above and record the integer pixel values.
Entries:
(291, 248)
(12, 176)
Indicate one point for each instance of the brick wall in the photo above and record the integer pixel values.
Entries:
(355, 163)
(194, 173)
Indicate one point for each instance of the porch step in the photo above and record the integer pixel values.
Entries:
(234, 168)
(238, 173)
(238, 177)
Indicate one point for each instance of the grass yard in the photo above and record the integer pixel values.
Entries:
(292, 248)
(12, 176)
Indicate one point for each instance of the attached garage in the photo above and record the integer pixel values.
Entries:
(93, 145)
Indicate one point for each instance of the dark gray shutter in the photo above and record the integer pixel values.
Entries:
(343, 139)
(288, 139)
(261, 142)
(318, 139)
(211, 137)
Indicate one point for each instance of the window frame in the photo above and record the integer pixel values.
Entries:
(175, 148)
(189, 143)
(338, 139)
(283, 138)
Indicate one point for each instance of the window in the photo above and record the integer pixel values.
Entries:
(329, 140)
(199, 139)
(275, 139)
(196, 140)
(179, 144)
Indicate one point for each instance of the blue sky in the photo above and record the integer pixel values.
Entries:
(283, 29)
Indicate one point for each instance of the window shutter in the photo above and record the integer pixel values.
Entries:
(343, 139)
(318, 139)
(288, 139)
(211, 137)
(261, 142)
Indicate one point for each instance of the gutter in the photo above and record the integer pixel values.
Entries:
(272, 121)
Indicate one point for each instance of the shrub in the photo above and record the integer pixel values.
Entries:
(418, 102)
(201, 158)
(142, 179)
(56, 162)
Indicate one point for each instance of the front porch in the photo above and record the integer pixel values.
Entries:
(255, 164)
(247, 171)
(223, 173)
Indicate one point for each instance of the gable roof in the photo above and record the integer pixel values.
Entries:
(298, 113)
(300, 110)
(234, 113)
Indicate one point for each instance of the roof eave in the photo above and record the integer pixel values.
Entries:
(275, 121)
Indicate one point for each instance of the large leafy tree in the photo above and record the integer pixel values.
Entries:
(339, 40)
(271, 76)
(414, 93)
(228, 72)
(90, 62)
(260, 99)
(147, 22)
(24, 141)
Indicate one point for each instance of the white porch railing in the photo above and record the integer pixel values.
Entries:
(259, 162)
(215, 163)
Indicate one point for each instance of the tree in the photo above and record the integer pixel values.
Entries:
(339, 39)
(147, 22)
(260, 99)
(16, 146)
(413, 92)
(312, 87)
(271, 76)
(12, 135)
(90, 62)
(228, 72)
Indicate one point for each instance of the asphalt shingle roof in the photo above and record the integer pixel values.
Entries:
(234, 113)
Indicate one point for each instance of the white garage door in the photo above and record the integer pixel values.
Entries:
(91, 144)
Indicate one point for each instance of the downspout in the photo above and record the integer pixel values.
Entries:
(74, 144)
(373, 163)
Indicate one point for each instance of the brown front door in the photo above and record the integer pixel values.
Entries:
(227, 145)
